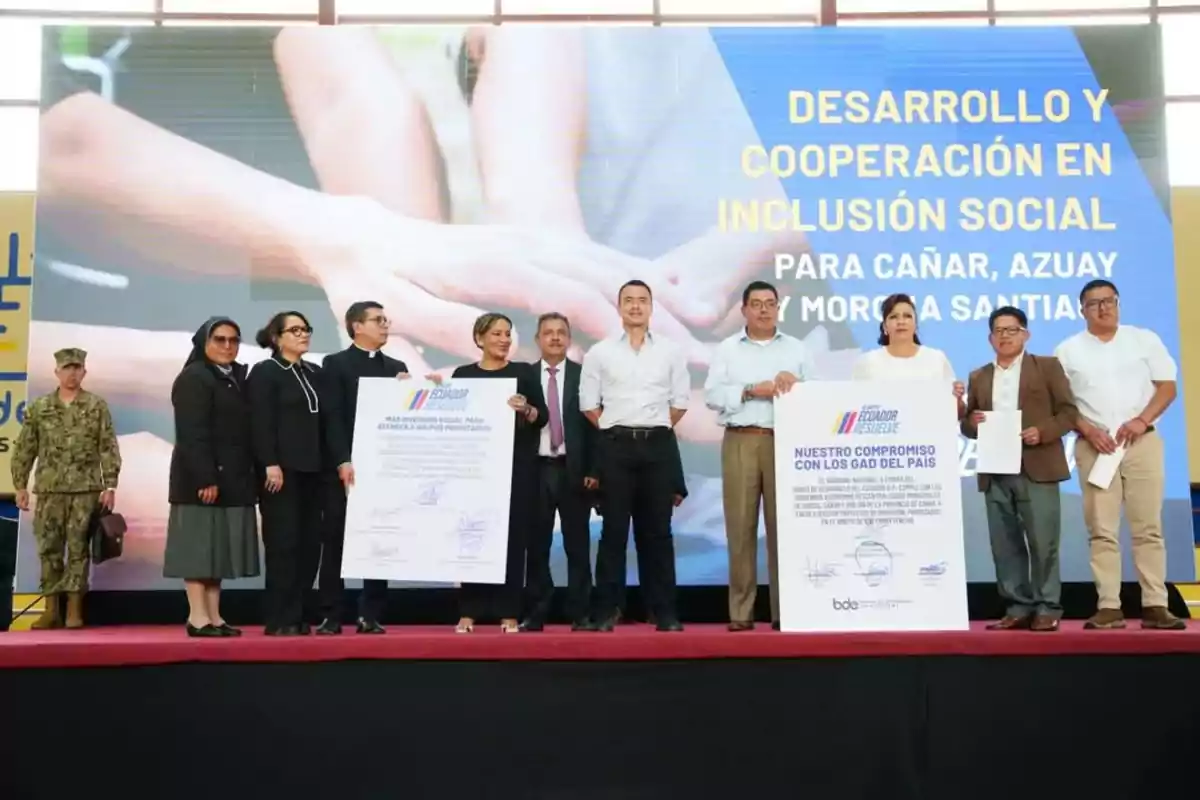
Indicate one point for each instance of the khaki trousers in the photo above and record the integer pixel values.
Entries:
(748, 479)
(1138, 485)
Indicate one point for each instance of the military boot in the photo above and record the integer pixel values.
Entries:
(51, 617)
(75, 610)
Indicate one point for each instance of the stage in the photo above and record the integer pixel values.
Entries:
(158, 645)
(423, 711)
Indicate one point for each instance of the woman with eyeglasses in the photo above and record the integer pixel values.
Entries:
(285, 400)
(901, 356)
(212, 528)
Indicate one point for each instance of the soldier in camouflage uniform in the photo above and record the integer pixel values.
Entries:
(70, 434)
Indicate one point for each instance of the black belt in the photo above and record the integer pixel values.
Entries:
(627, 432)
(552, 459)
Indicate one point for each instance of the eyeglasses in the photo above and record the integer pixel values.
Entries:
(299, 330)
(227, 341)
(380, 320)
(1007, 331)
(1103, 302)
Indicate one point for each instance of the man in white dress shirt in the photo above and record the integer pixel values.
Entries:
(1123, 379)
(634, 387)
(749, 370)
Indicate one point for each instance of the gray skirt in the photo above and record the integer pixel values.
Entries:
(211, 543)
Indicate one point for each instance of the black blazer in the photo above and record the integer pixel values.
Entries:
(579, 433)
(286, 410)
(341, 373)
(213, 440)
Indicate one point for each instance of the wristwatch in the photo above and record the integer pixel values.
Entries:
(746, 391)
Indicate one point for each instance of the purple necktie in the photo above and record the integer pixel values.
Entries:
(556, 430)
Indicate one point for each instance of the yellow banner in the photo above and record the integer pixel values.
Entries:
(16, 256)
(1185, 219)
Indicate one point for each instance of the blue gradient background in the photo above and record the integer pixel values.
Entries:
(669, 111)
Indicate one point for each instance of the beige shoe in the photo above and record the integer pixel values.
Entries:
(75, 610)
(51, 617)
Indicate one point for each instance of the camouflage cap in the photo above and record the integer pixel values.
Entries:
(70, 355)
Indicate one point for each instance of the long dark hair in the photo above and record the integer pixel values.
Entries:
(268, 336)
(889, 305)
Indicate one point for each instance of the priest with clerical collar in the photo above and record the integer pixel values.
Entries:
(367, 325)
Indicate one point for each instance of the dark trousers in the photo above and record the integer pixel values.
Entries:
(8, 562)
(1024, 525)
(637, 475)
(556, 493)
(373, 598)
(492, 601)
(291, 525)
(647, 589)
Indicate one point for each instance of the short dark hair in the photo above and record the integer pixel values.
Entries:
(268, 336)
(357, 313)
(1092, 286)
(889, 304)
(1007, 311)
(757, 286)
(634, 282)
(550, 316)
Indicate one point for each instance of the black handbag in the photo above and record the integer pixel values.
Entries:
(106, 537)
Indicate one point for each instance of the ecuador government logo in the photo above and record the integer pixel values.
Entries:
(874, 420)
(439, 398)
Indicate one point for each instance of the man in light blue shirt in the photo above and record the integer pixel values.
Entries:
(749, 370)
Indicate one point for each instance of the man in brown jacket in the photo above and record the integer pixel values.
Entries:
(1024, 518)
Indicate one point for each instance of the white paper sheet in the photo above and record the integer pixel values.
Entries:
(998, 446)
(1105, 468)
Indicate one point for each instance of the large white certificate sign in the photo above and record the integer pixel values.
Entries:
(433, 474)
(869, 508)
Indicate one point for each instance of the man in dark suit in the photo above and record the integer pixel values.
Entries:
(567, 478)
(1024, 517)
(364, 358)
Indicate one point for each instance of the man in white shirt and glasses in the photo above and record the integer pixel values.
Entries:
(749, 370)
(634, 387)
(1123, 379)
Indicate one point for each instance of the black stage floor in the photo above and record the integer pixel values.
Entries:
(1118, 727)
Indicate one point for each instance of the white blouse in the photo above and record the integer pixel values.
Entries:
(929, 363)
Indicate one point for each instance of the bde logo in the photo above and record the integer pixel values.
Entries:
(875, 420)
(845, 605)
(439, 398)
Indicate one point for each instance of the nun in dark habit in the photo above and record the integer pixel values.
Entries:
(212, 530)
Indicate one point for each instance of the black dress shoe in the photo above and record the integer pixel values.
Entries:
(228, 630)
(774, 626)
(303, 629)
(607, 625)
(669, 625)
(369, 626)
(531, 625)
(204, 631)
(583, 625)
(287, 630)
(329, 627)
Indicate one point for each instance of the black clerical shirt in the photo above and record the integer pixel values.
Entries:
(341, 373)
